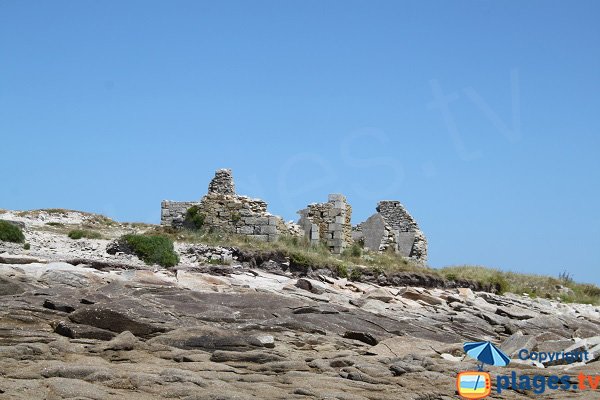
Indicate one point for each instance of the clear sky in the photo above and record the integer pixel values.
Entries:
(481, 117)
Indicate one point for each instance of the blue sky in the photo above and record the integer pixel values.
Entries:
(481, 117)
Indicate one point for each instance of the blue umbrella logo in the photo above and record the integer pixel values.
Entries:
(486, 353)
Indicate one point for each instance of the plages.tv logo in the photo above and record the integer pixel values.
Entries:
(478, 384)
(474, 384)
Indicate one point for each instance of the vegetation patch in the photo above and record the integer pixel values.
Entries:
(356, 274)
(84, 233)
(11, 233)
(353, 262)
(152, 249)
(564, 287)
(194, 219)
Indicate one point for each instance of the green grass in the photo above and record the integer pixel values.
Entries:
(84, 233)
(530, 284)
(11, 233)
(152, 249)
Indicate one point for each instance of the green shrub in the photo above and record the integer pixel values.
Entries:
(342, 270)
(500, 283)
(299, 259)
(194, 218)
(152, 249)
(451, 276)
(377, 270)
(236, 217)
(356, 274)
(352, 251)
(26, 246)
(84, 233)
(57, 224)
(11, 233)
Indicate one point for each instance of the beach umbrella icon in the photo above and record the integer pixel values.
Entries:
(486, 353)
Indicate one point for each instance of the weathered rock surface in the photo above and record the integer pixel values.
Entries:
(110, 327)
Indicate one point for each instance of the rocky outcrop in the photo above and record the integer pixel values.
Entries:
(227, 323)
(252, 334)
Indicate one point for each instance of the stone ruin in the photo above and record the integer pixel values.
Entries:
(328, 223)
(225, 211)
(391, 228)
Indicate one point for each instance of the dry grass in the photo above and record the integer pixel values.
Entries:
(529, 284)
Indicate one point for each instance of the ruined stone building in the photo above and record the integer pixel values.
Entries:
(392, 228)
(222, 209)
(328, 222)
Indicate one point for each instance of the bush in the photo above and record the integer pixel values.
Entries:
(84, 233)
(356, 274)
(26, 246)
(352, 251)
(499, 282)
(194, 218)
(342, 270)
(152, 249)
(11, 233)
(299, 259)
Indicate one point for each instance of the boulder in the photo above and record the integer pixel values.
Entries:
(364, 337)
(380, 294)
(412, 294)
(310, 285)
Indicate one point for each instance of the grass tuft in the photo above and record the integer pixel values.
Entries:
(84, 233)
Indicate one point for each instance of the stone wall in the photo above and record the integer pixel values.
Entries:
(172, 213)
(240, 215)
(328, 223)
(225, 211)
(392, 227)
